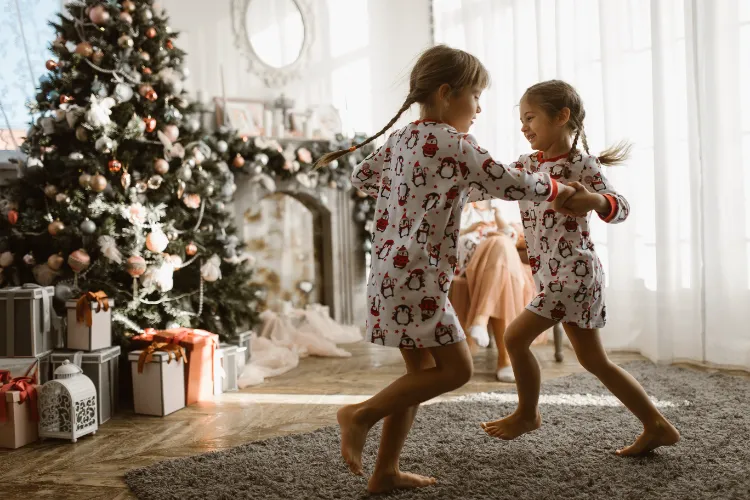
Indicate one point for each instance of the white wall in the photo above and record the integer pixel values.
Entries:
(398, 31)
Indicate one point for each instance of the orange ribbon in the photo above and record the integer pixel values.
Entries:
(26, 386)
(83, 306)
(173, 351)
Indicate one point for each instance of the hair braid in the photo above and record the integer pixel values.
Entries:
(584, 141)
(572, 151)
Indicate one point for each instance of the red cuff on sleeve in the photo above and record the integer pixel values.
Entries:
(553, 194)
(612, 210)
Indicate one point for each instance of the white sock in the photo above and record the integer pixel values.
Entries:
(505, 374)
(481, 335)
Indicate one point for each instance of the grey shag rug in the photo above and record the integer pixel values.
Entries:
(570, 457)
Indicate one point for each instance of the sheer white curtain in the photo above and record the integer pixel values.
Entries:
(666, 75)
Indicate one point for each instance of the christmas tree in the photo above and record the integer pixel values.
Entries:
(119, 191)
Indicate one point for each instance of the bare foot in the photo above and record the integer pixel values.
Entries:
(661, 434)
(383, 483)
(353, 436)
(512, 426)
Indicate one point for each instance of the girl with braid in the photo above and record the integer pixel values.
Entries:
(567, 272)
(434, 167)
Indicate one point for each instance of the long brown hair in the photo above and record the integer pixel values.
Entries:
(436, 66)
(554, 95)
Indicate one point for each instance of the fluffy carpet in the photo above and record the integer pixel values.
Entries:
(571, 456)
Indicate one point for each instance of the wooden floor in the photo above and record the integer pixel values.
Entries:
(302, 400)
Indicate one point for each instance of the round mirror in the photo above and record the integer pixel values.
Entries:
(275, 31)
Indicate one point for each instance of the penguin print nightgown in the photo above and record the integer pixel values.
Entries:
(567, 272)
(422, 177)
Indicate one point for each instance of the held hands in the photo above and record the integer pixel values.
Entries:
(577, 201)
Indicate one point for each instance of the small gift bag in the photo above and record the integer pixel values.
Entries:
(158, 379)
(90, 322)
(200, 347)
(19, 411)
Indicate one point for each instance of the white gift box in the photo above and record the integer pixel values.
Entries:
(160, 388)
(242, 339)
(82, 337)
(26, 320)
(226, 373)
(19, 366)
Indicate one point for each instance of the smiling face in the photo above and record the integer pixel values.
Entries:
(462, 108)
(541, 130)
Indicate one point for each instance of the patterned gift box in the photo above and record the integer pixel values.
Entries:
(89, 322)
(26, 320)
(103, 368)
(19, 411)
(158, 379)
(20, 366)
(200, 347)
(227, 373)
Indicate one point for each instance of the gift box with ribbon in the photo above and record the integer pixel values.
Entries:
(158, 374)
(90, 322)
(19, 410)
(34, 366)
(200, 347)
(26, 320)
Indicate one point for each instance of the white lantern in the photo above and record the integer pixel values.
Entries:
(67, 404)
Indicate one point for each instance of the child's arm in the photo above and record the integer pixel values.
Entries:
(488, 179)
(596, 193)
(366, 175)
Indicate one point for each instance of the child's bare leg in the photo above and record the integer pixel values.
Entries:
(504, 371)
(453, 368)
(387, 476)
(518, 338)
(657, 430)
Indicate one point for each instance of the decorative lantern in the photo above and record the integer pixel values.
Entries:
(67, 404)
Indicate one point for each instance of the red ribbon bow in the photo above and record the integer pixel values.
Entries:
(24, 385)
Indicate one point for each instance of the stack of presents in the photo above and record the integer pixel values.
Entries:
(59, 377)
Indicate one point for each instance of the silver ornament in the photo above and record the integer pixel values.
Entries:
(123, 92)
(222, 146)
(88, 226)
(262, 158)
(104, 144)
(63, 292)
(185, 173)
(146, 15)
(220, 206)
(75, 156)
(193, 125)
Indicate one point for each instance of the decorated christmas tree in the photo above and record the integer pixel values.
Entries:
(119, 191)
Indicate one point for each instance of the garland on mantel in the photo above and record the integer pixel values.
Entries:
(270, 160)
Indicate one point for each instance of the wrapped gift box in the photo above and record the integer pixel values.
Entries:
(102, 367)
(200, 347)
(89, 322)
(226, 375)
(243, 340)
(158, 382)
(26, 320)
(20, 366)
(19, 416)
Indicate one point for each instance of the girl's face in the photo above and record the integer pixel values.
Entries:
(541, 130)
(462, 108)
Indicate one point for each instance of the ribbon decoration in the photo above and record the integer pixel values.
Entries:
(174, 351)
(26, 386)
(84, 306)
(4, 376)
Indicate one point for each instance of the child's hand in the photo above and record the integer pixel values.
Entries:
(564, 192)
(583, 201)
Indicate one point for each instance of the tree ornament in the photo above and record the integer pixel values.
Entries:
(211, 270)
(79, 260)
(222, 146)
(82, 134)
(126, 17)
(175, 260)
(151, 32)
(12, 217)
(97, 57)
(62, 198)
(185, 173)
(180, 188)
(125, 42)
(146, 71)
(84, 49)
(50, 191)
(146, 15)
(172, 132)
(141, 187)
(88, 226)
(55, 228)
(84, 180)
(128, 6)
(64, 99)
(6, 259)
(169, 45)
(151, 95)
(75, 156)
(114, 166)
(63, 292)
(192, 125)
(29, 259)
(157, 241)
(99, 15)
(44, 275)
(55, 261)
(191, 249)
(98, 183)
(135, 266)
(104, 144)
(238, 161)
(155, 181)
(123, 92)
(145, 56)
(192, 200)
(161, 166)
(150, 124)
(125, 180)
(51, 65)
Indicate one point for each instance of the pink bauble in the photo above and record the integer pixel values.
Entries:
(99, 15)
(135, 266)
(125, 17)
(157, 241)
(172, 132)
(161, 166)
(79, 260)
